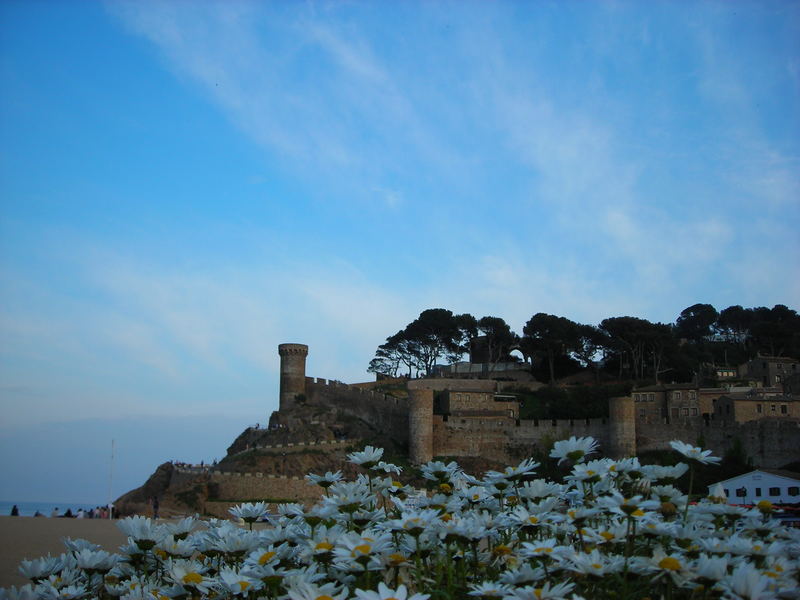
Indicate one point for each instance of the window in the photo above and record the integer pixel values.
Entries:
(794, 491)
(685, 412)
(784, 409)
(758, 492)
(772, 407)
(741, 492)
(636, 398)
(759, 408)
(651, 397)
(774, 491)
(676, 395)
(641, 412)
(692, 395)
(727, 493)
(694, 412)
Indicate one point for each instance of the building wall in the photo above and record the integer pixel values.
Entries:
(741, 410)
(751, 488)
(472, 401)
(771, 370)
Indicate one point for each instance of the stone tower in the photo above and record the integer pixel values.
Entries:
(293, 373)
(621, 427)
(420, 424)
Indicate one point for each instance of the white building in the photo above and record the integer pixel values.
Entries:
(779, 487)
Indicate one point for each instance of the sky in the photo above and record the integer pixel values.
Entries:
(185, 185)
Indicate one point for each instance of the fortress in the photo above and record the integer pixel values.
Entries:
(479, 418)
(319, 421)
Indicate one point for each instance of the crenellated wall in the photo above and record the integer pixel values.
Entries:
(501, 439)
(388, 414)
(236, 487)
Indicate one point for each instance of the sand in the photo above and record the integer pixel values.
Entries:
(32, 537)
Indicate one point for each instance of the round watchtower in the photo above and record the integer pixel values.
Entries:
(622, 427)
(420, 424)
(293, 373)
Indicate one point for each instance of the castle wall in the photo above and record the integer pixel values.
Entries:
(233, 488)
(440, 384)
(388, 414)
(768, 443)
(502, 439)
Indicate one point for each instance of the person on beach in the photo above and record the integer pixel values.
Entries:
(55, 513)
(14, 511)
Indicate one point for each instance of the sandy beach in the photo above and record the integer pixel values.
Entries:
(32, 537)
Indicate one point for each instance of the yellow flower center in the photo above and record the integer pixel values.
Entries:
(244, 585)
(607, 535)
(638, 513)
(537, 592)
(545, 549)
(670, 563)
(446, 517)
(323, 598)
(533, 520)
(327, 546)
(193, 578)
(397, 558)
(590, 473)
(501, 550)
(265, 558)
(362, 549)
(597, 565)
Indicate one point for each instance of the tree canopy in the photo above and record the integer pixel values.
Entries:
(625, 347)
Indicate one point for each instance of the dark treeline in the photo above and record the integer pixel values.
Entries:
(622, 348)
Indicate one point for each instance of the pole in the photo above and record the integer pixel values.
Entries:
(110, 481)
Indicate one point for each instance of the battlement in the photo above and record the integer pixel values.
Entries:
(324, 387)
(296, 446)
(293, 350)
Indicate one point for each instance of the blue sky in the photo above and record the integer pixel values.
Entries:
(185, 185)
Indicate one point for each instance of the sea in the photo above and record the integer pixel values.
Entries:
(28, 509)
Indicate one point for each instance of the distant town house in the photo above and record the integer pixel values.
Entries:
(768, 371)
(756, 404)
(777, 486)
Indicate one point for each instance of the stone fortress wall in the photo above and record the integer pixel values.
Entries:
(386, 413)
(485, 433)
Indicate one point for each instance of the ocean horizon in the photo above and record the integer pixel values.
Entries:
(28, 509)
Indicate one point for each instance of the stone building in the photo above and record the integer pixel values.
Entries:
(756, 404)
(769, 371)
(663, 403)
